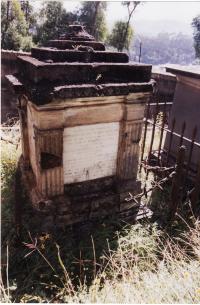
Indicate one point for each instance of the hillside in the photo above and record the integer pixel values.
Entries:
(164, 48)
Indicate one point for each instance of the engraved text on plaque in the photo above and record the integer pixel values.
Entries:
(90, 151)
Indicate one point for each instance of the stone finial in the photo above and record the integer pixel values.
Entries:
(77, 32)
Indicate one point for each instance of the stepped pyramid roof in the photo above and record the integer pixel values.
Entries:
(75, 65)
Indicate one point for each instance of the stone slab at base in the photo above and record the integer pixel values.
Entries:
(80, 203)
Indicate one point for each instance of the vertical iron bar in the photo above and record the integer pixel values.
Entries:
(177, 183)
(18, 202)
(145, 132)
(140, 54)
(194, 133)
(182, 133)
(162, 131)
(152, 136)
(170, 140)
(153, 130)
(196, 192)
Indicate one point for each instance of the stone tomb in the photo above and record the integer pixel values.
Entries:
(81, 112)
(185, 108)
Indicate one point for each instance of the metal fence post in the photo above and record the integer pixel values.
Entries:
(177, 183)
(196, 192)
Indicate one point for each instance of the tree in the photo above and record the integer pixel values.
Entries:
(53, 20)
(92, 15)
(196, 35)
(30, 16)
(131, 7)
(115, 39)
(15, 33)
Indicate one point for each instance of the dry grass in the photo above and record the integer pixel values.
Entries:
(145, 269)
(9, 156)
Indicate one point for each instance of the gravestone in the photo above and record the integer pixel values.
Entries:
(81, 111)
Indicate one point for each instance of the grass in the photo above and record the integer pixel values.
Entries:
(145, 271)
(105, 262)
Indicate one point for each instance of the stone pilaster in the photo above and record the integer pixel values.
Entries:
(49, 151)
(130, 135)
(22, 109)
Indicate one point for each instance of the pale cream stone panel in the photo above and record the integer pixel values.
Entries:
(93, 114)
(73, 116)
(90, 151)
(134, 112)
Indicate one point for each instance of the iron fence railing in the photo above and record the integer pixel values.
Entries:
(177, 164)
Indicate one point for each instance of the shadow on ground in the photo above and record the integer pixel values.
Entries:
(35, 263)
(40, 262)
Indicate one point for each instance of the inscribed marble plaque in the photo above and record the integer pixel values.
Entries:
(90, 151)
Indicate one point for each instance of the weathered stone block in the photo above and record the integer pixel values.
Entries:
(81, 120)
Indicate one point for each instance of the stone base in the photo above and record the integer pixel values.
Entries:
(81, 203)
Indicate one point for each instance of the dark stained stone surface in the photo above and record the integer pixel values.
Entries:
(87, 55)
(89, 90)
(78, 66)
(77, 32)
(105, 184)
(79, 72)
(71, 45)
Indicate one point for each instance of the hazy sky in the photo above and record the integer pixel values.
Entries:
(151, 17)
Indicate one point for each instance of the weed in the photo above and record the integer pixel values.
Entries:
(104, 262)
